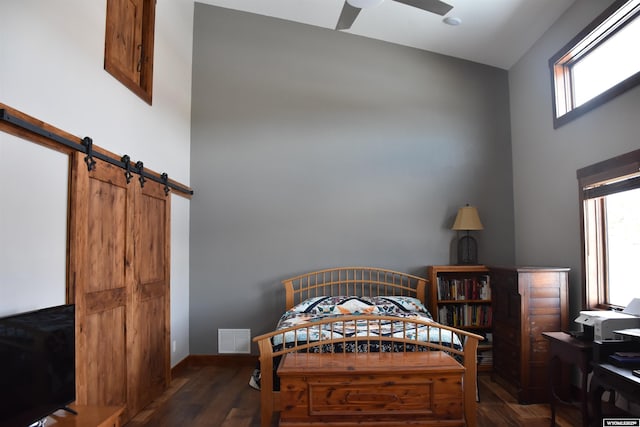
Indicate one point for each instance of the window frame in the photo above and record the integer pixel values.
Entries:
(594, 263)
(560, 65)
(129, 44)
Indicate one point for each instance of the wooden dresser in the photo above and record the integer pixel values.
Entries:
(526, 302)
(372, 389)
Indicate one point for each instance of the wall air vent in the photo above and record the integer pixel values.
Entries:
(234, 341)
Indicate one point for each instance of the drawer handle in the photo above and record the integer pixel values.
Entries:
(371, 398)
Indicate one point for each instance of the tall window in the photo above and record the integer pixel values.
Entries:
(610, 210)
(600, 63)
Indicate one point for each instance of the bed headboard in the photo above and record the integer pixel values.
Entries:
(357, 281)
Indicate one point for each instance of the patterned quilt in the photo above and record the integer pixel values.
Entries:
(318, 308)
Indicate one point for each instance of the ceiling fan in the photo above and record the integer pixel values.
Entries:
(352, 8)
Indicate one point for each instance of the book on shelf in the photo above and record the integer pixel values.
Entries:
(459, 289)
(625, 359)
(627, 354)
(465, 315)
(485, 356)
(488, 336)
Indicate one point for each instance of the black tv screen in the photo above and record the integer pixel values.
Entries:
(37, 364)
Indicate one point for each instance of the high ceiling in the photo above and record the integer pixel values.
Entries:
(492, 32)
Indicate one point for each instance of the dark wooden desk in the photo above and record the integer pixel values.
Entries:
(565, 348)
(609, 377)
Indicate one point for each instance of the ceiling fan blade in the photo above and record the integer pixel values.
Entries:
(347, 16)
(434, 6)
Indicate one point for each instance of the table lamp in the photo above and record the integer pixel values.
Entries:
(467, 220)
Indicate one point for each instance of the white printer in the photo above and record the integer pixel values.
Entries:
(602, 323)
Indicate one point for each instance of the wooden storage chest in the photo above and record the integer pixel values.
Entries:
(373, 389)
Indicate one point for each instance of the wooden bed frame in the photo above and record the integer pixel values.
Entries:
(361, 281)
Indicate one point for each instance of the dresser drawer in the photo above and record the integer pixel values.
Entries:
(509, 373)
(507, 332)
(506, 300)
(507, 281)
(505, 350)
(506, 363)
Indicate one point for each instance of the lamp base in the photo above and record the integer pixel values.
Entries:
(467, 250)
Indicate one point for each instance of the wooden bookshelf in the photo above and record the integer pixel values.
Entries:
(460, 296)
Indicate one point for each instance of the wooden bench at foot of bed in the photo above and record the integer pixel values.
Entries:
(373, 389)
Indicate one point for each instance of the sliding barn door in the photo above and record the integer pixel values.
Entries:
(118, 279)
(148, 321)
(99, 280)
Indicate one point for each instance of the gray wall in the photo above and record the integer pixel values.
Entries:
(313, 148)
(545, 160)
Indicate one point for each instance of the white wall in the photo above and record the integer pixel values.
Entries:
(51, 67)
(545, 160)
(33, 226)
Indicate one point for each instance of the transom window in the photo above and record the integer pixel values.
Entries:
(600, 63)
(610, 203)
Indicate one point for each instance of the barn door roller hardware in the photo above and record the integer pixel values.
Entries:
(140, 167)
(86, 147)
(127, 167)
(165, 180)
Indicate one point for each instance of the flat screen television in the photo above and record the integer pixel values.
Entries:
(37, 364)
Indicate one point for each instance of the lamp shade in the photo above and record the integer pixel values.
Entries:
(467, 219)
(364, 4)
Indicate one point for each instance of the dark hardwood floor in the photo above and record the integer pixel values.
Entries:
(218, 395)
